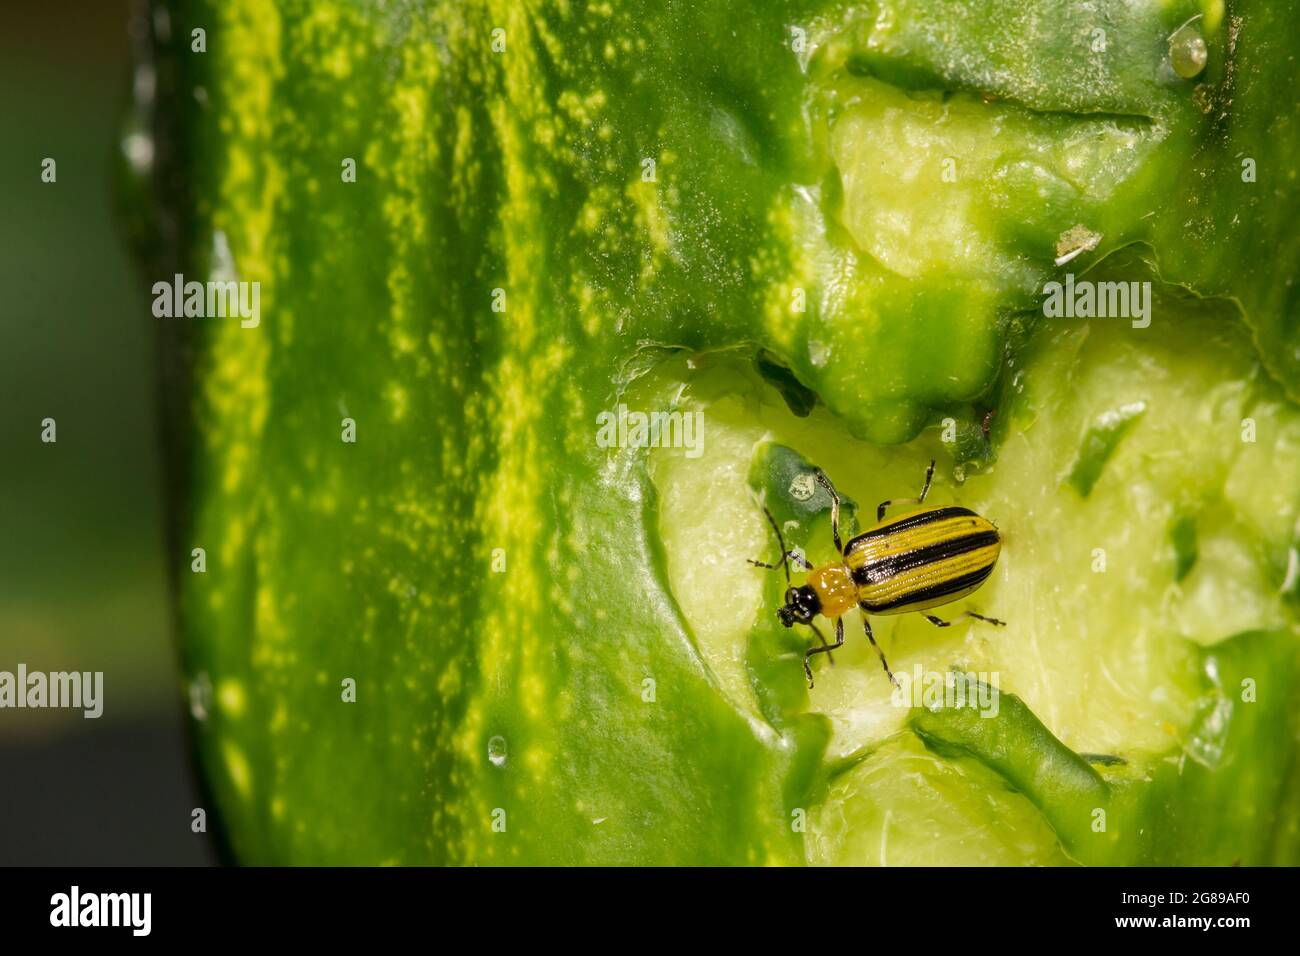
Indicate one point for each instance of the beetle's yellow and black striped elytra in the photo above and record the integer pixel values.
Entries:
(912, 562)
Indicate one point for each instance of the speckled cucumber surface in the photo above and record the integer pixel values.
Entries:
(445, 620)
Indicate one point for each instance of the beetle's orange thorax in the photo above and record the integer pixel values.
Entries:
(835, 589)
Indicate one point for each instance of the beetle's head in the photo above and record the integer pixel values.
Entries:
(801, 606)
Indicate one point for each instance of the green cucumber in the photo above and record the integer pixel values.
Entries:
(559, 654)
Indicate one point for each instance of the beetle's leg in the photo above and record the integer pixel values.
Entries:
(939, 622)
(822, 637)
(794, 556)
(824, 649)
(835, 507)
(918, 500)
(866, 626)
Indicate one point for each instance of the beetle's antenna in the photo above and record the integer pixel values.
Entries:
(780, 540)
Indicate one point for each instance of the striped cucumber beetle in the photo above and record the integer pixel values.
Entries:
(912, 562)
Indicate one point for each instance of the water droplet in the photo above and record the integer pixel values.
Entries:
(1187, 51)
(221, 264)
(803, 486)
(138, 149)
(144, 84)
(497, 751)
(162, 24)
(1209, 742)
(200, 696)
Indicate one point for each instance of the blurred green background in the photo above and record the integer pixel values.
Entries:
(82, 579)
